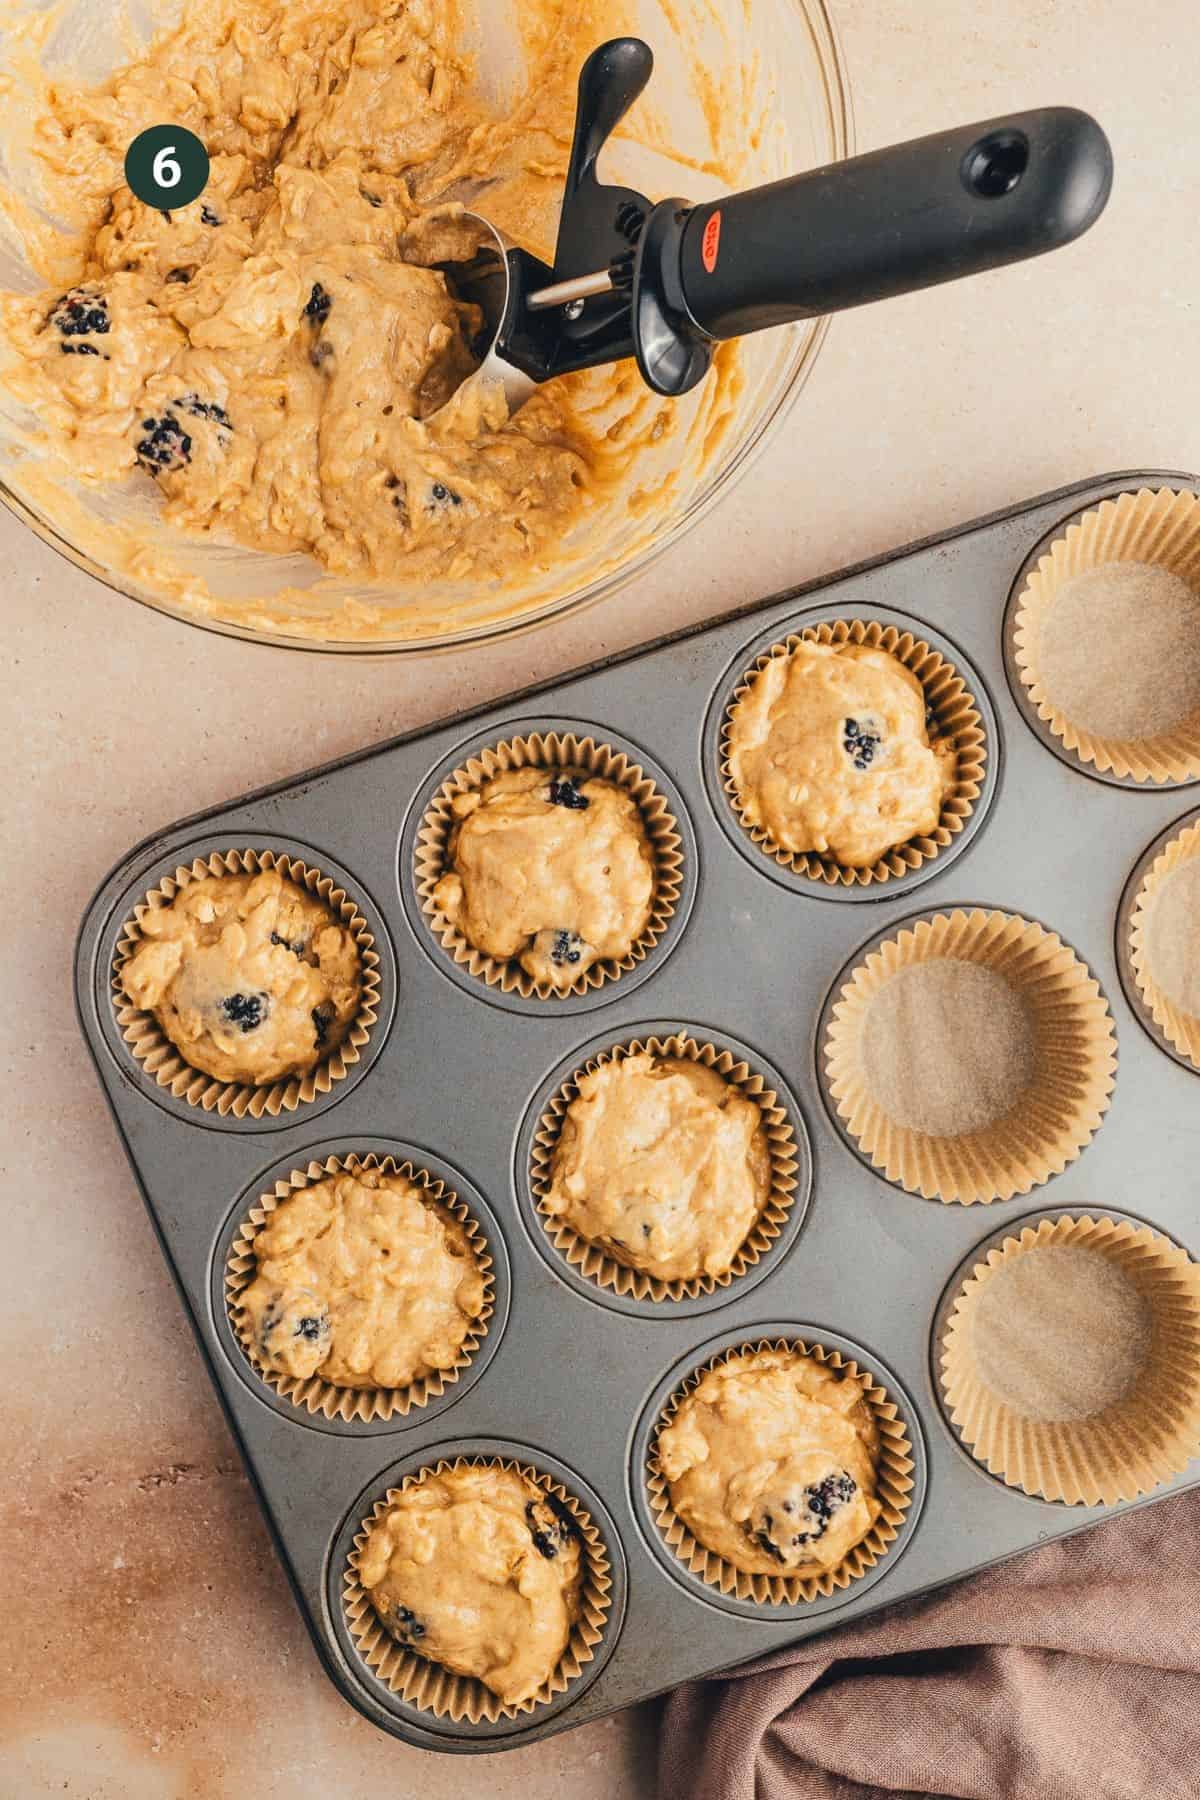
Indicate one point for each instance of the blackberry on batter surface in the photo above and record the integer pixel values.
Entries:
(166, 446)
(81, 312)
(790, 1525)
(564, 791)
(550, 1526)
(565, 948)
(405, 1625)
(204, 409)
(316, 309)
(246, 1011)
(860, 743)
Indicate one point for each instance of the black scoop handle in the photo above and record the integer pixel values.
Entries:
(896, 220)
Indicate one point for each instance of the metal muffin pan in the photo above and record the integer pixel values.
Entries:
(452, 1077)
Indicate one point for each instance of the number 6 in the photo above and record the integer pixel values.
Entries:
(166, 171)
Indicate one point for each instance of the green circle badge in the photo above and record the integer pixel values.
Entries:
(166, 167)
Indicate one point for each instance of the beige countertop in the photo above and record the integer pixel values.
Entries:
(149, 1649)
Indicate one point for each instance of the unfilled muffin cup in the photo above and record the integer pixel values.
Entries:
(1158, 966)
(435, 1689)
(564, 753)
(953, 714)
(1150, 537)
(894, 1490)
(591, 1259)
(312, 1393)
(1070, 1363)
(149, 1044)
(1006, 1082)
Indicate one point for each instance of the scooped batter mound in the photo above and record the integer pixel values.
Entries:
(829, 751)
(273, 357)
(771, 1463)
(362, 1282)
(550, 868)
(250, 977)
(476, 1569)
(663, 1163)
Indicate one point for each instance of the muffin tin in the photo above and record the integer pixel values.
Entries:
(454, 1075)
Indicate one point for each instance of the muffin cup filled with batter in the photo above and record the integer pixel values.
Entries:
(1164, 942)
(889, 1451)
(970, 1057)
(778, 1144)
(653, 861)
(431, 1686)
(313, 1392)
(1107, 637)
(165, 1063)
(953, 727)
(1070, 1363)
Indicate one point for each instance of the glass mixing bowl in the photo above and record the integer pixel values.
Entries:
(767, 82)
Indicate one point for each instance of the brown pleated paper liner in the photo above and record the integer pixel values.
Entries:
(893, 1491)
(436, 1689)
(1161, 528)
(1180, 1028)
(314, 1394)
(1137, 1439)
(1056, 1115)
(593, 1260)
(153, 1049)
(565, 754)
(956, 718)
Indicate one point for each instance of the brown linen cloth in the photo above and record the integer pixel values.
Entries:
(1070, 1673)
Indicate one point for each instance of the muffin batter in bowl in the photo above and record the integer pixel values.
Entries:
(771, 1463)
(550, 868)
(662, 1163)
(270, 362)
(250, 976)
(363, 1282)
(830, 751)
(477, 1569)
(272, 354)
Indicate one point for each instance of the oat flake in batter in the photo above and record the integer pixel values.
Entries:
(273, 356)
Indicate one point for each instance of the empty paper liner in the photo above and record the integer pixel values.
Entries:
(894, 1486)
(971, 1057)
(952, 714)
(565, 755)
(1164, 942)
(437, 1690)
(164, 1063)
(594, 1260)
(312, 1393)
(1071, 1361)
(1107, 637)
